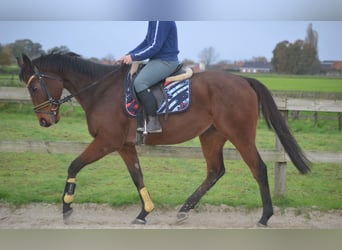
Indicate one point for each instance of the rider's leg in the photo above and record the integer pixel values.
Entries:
(152, 73)
(150, 105)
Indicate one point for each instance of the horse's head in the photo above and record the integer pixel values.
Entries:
(45, 91)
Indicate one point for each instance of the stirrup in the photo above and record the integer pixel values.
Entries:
(153, 125)
(154, 131)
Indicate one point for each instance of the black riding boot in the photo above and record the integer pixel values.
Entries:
(150, 105)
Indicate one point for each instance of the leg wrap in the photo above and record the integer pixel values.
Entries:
(69, 191)
(148, 204)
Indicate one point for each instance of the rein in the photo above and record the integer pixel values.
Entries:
(69, 97)
(50, 100)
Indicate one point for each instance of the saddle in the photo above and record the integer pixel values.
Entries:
(178, 75)
(172, 93)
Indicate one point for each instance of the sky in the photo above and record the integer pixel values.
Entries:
(231, 40)
(235, 31)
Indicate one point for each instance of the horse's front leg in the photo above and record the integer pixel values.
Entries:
(95, 151)
(129, 155)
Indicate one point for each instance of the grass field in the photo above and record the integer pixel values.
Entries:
(300, 83)
(40, 177)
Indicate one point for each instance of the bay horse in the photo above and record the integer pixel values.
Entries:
(223, 107)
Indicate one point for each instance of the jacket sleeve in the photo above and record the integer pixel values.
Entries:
(142, 45)
(152, 43)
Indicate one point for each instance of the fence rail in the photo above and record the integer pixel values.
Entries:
(20, 95)
(161, 151)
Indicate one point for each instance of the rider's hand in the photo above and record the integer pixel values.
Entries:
(127, 59)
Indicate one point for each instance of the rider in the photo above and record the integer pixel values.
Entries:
(160, 47)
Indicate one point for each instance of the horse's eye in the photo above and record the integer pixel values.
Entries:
(34, 88)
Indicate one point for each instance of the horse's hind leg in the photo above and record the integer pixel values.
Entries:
(262, 180)
(212, 146)
(258, 168)
(129, 154)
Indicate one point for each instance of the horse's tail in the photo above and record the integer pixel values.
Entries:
(275, 120)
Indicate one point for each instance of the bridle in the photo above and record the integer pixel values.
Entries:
(52, 102)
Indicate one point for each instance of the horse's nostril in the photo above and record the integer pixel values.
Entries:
(44, 123)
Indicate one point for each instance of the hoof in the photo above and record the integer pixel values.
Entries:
(67, 214)
(139, 221)
(182, 216)
(260, 225)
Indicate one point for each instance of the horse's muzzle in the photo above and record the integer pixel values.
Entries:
(44, 123)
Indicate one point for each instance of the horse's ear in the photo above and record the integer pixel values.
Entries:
(19, 61)
(26, 67)
(26, 60)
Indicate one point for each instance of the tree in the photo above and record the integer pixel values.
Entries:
(299, 57)
(296, 59)
(280, 57)
(109, 59)
(311, 50)
(311, 37)
(26, 46)
(187, 62)
(5, 55)
(208, 56)
(61, 49)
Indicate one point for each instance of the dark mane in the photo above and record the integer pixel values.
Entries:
(72, 62)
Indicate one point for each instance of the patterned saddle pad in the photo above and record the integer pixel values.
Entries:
(177, 93)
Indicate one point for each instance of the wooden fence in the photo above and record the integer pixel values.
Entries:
(20, 95)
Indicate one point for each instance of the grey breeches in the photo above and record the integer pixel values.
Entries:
(153, 72)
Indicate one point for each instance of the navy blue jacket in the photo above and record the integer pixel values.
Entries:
(161, 42)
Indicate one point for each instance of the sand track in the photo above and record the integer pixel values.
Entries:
(94, 216)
